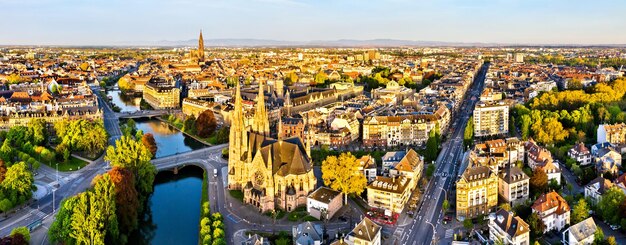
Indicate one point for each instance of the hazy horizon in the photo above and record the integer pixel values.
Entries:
(142, 22)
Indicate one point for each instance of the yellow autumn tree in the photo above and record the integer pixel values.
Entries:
(342, 174)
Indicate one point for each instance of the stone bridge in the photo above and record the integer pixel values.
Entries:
(206, 158)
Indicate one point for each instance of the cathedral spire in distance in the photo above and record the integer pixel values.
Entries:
(200, 47)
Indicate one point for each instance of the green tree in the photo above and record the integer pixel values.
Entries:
(22, 230)
(19, 180)
(445, 205)
(134, 156)
(61, 227)
(40, 132)
(189, 124)
(468, 135)
(432, 147)
(580, 211)
(609, 205)
(342, 174)
(536, 225)
(467, 224)
(598, 237)
(525, 126)
(430, 170)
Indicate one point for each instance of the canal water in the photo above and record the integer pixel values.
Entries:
(124, 102)
(170, 140)
(172, 214)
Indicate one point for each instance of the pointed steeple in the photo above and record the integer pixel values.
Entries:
(200, 47)
(309, 138)
(261, 124)
(280, 128)
(238, 139)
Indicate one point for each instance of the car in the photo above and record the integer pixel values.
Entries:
(410, 213)
(615, 227)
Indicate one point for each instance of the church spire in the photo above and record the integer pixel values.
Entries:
(237, 141)
(200, 47)
(261, 122)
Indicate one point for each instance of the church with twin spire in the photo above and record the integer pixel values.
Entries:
(271, 173)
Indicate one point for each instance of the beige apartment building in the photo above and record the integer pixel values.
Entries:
(161, 94)
(389, 193)
(491, 118)
(476, 192)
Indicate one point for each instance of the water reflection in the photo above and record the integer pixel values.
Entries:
(170, 141)
(125, 102)
(173, 211)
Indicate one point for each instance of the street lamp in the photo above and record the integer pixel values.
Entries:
(434, 232)
(54, 190)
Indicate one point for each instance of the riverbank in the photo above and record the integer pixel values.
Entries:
(195, 137)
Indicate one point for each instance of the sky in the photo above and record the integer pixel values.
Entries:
(116, 22)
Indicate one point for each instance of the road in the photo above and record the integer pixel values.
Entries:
(429, 215)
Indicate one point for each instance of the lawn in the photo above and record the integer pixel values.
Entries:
(237, 194)
(72, 164)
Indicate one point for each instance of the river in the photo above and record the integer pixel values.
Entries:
(172, 215)
(124, 102)
(169, 139)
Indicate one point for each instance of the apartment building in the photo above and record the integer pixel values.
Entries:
(513, 185)
(161, 94)
(612, 133)
(476, 192)
(388, 193)
(491, 118)
(408, 130)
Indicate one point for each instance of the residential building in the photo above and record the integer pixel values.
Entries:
(621, 182)
(582, 233)
(491, 118)
(307, 233)
(608, 161)
(492, 153)
(476, 192)
(405, 130)
(367, 164)
(540, 158)
(390, 194)
(580, 153)
(291, 127)
(365, 233)
(614, 134)
(256, 239)
(596, 147)
(553, 210)
(161, 94)
(393, 92)
(508, 229)
(596, 188)
(410, 166)
(513, 185)
(323, 203)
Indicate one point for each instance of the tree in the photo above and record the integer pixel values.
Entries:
(580, 211)
(445, 205)
(342, 174)
(431, 147)
(3, 170)
(189, 124)
(430, 170)
(206, 124)
(222, 135)
(506, 206)
(126, 199)
(150, 143)
(467, 224)
(5, 205)
(61, 227)
(536, 225)
(525, 126)
(609, 204)
(19, 180)
(22, 230)
(291, 78)
(102, 200)
(468, 135)
(39, 129)
(134, 156)
(598, 237)
(539, 181)
(320, 78)
(14, 78)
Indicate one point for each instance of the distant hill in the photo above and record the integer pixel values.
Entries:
(315, 43)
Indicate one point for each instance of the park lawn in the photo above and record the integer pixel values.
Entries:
(72, 164)
(237, 194)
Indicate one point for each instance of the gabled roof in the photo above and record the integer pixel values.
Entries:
(366, 230)
(551, 200)
(513, 226)
(583, 229)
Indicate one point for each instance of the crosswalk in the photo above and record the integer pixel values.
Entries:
(449, 233)
(442, 174)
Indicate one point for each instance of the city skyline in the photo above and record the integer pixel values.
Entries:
(138, 22)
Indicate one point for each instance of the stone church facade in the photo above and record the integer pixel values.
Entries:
(271, 173)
